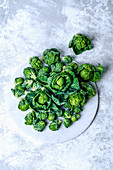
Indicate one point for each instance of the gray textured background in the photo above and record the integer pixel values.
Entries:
(27, 27)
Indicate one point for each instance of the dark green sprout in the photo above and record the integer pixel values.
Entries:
(29, 118)
(51, 56)
(23, 106)
(29, 73)
(18, 91)
(35, 62)
(51, 116)
(80, 43)
(18, 81)
(40, 126)
(67, 122)
(75, 117)
(55, 125)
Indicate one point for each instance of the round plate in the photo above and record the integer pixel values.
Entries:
(47, 136)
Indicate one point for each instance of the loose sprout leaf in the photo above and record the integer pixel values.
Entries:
(60, 89)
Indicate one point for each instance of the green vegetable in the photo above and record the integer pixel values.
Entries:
(55, 125)
(80, 43)
(29, 118)
(40, 126)
(18, 91)
(23, 106)
(35, 62)
(60, 89)
(51, 56)
(67, 59)
(28, 83)
(67, 122)
(51, 116)
(89, 72)
(75, 117)
(68, 113)
(18, 81)
(29, 73)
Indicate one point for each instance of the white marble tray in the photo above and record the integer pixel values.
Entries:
(47, 136)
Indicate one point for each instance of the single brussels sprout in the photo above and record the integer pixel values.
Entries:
(68, 113)
(86, 71)
(29, 73)
(23, 106)
(74, 66)
(28, 83)
(96, 76)
(60, 82)
(55, 125)
(90, 91)
(29, 118)
(42, 76)
(77, 110)
(18, 81)
(35, 62)
(67, 122)
(75, 117)
(59, 113)
(80, 43)
(100, 68)
(36, 86)
(75, 100)
(51, 116)
(44, 116)
(51, 56)
(67, 59)
(39, 100)
(18, 91)
(40, 126)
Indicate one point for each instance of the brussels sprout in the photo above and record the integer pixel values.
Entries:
(60, 82)
(35, 62)
(39, 100)
(77, 110)
(51, 116)
(67, 59)
(80, 43)
(55, 125)
(89, 89)
(40, 126)
(96, 76)
(67, 122)
(68, 113)
(58, 67)
(23, 106)
(51, 56)
(29, 118)
(86, 71)
(28, 83)
(18, 91)
(75, 117)
(74, 66)
(100, 68)
(29, 73)
(59, 113)
(75, 100)
(18, 81)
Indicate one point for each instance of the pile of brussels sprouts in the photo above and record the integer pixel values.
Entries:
(57, 90)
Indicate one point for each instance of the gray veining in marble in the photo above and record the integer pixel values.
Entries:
(27, 27)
